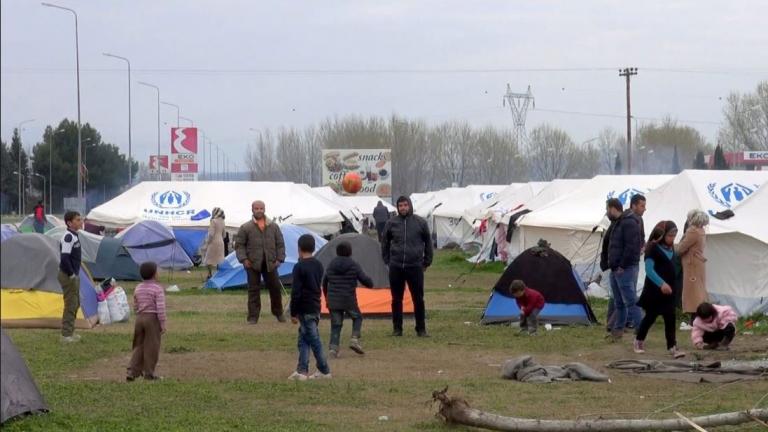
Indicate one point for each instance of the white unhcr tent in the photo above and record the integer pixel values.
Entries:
(446, 211)
(573, 224)
(737, 256)
(531, 196)
(707, 190)
(188, 204)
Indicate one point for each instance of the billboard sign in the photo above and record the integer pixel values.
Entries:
(163, 163)
(373, 165)
(184, 154)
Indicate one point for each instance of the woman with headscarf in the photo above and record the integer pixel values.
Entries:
(691, 251)
(658, 297)
(214, 242)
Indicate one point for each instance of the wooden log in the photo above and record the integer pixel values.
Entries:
(458, 411)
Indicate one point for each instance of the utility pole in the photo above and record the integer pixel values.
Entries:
(628, 72)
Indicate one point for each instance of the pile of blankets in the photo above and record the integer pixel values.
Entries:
(525, 369)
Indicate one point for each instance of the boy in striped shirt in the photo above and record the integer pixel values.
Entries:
(149, 305)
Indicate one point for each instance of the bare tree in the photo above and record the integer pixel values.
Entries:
(745, 126)
(312, 150)
(608, 143)
(260, 159)
(550, 153)
(291, 159)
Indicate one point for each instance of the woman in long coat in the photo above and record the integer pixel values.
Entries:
(214, 242)
(691, 251)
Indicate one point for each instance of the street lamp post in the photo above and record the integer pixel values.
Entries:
(50, 169)
(130, 164)
(157, 161)
(191, 123)
(178, 110)
(77, 62)
(42, 177)
(21, 203)
(21, 190)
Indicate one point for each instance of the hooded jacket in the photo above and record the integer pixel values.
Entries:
(340, 283)
(380, 213)
(626, 241)
(406, 241)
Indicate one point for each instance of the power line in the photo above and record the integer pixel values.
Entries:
(388, 71)
(621, 116)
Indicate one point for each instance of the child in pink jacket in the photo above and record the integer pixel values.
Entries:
(714, 327)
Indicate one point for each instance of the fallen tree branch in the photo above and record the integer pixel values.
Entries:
(458, 411)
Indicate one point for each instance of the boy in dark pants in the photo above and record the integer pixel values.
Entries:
(530, 302)
(305, 310)
(149, 305)
(340, 290)
(69, 275)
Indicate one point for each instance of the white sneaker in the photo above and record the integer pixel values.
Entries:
(675, 353)
(320, 375)
(70, 339)
(295, 376)
(685, 327)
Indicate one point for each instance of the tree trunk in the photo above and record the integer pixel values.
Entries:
(455, 410)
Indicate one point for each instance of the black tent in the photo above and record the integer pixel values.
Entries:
(547, 271)
(114, 261)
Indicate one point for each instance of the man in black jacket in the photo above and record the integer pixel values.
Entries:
(340, 290)
(407, 249)
(613, 210)
(380, 216)
(624, 249)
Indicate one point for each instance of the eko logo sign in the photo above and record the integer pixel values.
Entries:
(183, 140)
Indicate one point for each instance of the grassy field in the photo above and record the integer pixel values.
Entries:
(222, 374)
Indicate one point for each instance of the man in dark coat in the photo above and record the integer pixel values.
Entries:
(340, 290)
(624, 249)
(380, 217)
(261, 248)
(406, 248)
(613, 210)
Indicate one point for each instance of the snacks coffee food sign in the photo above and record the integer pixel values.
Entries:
(373, 165)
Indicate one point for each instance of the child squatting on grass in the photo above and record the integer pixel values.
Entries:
(149, 305)
(530, 302)
(713, 327)
(305, 311)
(340, 290)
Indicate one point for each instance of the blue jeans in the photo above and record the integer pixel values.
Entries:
(624, 288)
(309, 338)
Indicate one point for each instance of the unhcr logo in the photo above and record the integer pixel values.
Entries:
(625, 196)
(729, 194)
(170, 199)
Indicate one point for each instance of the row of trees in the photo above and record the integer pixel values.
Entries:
(105, 168)
(431, 157)
(428, 157)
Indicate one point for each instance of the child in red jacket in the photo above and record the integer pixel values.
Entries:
(530, 302)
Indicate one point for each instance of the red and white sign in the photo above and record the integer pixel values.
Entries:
(184, 140)
(163, 163)
(184, 168)
(184, 154)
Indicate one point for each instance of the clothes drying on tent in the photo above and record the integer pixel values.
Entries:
(367, 253)
(27, 225)
(231, 273)
(105, 257)
(549, 273)
(153, 241)
(30, 294)
(19, 393)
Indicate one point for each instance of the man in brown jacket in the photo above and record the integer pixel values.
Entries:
(261, 249)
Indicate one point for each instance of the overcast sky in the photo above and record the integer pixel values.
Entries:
(234, 65)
